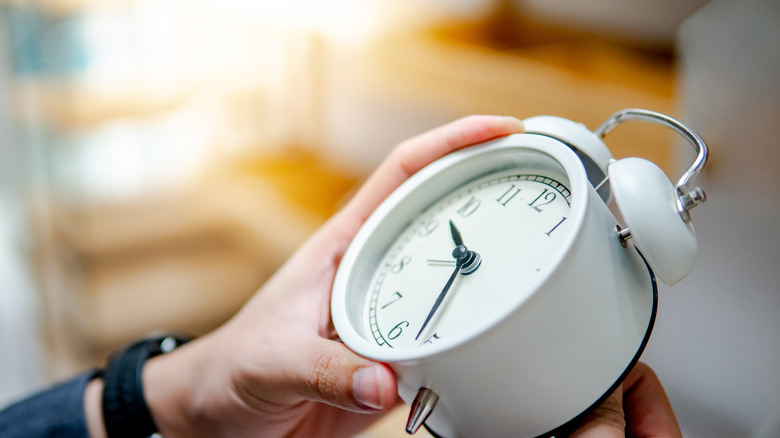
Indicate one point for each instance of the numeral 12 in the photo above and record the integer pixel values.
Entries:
(548, 198)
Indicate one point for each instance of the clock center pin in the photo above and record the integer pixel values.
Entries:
(469, 260)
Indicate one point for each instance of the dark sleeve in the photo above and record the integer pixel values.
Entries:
(55, 412)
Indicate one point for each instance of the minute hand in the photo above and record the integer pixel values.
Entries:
(442, 294)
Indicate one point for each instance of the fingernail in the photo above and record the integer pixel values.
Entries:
(367, 387)
(515, 121)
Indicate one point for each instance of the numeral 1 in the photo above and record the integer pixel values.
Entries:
(556, 226)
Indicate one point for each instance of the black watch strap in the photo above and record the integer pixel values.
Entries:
(125, 412)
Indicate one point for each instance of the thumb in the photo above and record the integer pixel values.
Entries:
(339, 377)
(606, 421)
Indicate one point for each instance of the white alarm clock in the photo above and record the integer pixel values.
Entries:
(501, 289)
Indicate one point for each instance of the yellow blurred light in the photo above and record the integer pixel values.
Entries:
(347, 19)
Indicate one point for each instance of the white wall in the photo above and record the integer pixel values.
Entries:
(716, 345)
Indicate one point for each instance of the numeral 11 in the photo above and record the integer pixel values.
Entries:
(508, 195)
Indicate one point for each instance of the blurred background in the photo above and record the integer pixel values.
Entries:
(159, 159)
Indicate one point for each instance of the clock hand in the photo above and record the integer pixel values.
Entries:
(472, 259)
(439, 262)
(456, 235)
(443, 293)
(466, 262)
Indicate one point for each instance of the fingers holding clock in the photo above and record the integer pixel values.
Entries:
(329, 372)
(606, 421)
(274, 371)
(417, 152)
(275, 354)
(336, 376)
(414, 154)
(639, 408)
(648, 410)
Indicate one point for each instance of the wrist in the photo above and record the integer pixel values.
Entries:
(123, 409)
(169, 381)
(92, 408)
(190, 393)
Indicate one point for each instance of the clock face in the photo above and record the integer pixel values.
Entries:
(513, 221)
(459, 247)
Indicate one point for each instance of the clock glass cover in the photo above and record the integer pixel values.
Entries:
(512, 216)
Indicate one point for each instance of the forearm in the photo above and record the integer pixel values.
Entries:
(55, 411)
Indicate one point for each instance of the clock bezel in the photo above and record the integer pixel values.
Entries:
(426, 187)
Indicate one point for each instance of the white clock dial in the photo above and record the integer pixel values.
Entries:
(514, 221)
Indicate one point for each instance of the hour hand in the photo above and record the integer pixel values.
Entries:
(456, 235)
(469, 260)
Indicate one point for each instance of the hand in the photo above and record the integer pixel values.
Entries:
(638, 409)
(275, 369)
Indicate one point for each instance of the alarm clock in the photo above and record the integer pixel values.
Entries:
(499, 285)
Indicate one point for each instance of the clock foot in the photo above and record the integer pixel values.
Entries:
(422, 408)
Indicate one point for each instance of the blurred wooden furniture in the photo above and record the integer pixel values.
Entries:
(181, 262)
(454, 71)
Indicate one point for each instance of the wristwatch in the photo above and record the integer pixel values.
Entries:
(125, 412)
